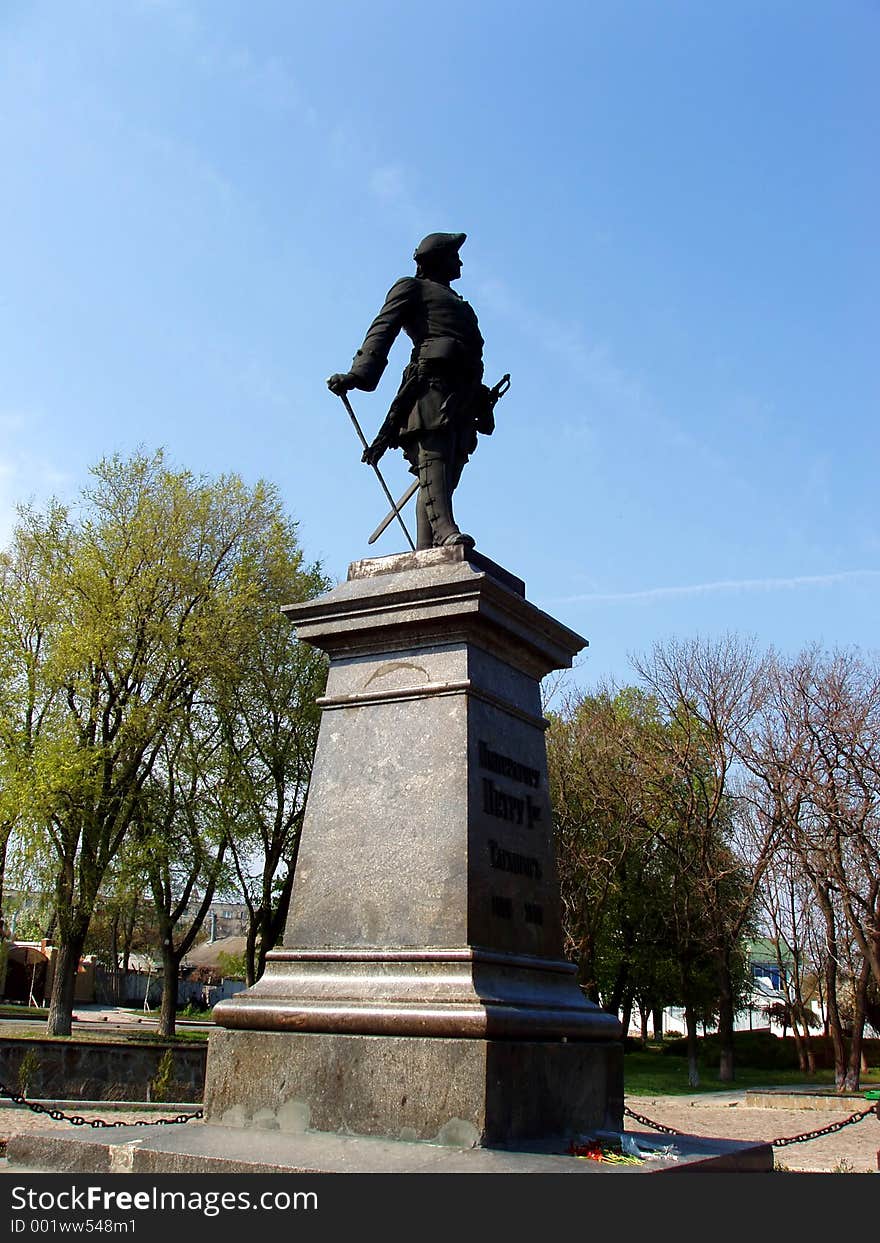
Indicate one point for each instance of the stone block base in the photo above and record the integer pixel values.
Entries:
(198, 1149)
(454, 1091)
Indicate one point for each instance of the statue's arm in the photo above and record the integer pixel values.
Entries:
(372, 358)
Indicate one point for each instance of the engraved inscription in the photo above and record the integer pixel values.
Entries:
(508, 806)
(504, 766)
(534, 913)
(502, 908)
(510, 861)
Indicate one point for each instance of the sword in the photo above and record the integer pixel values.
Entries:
(495, 393)
(411, 491)
(395, 510)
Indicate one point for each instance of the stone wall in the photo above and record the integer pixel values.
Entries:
(101, 1070)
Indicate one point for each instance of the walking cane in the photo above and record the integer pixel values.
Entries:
(343, 397)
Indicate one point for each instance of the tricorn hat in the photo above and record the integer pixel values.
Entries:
(434, 243)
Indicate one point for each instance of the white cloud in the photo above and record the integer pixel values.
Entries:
(609, 386)
(592, 363)
(723, 585)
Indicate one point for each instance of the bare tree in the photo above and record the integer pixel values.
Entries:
(787, 909)
(815, 752)
(711, 692)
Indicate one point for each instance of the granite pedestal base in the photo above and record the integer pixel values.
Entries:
(459, 1092)
(421, 991)
(197, 1149)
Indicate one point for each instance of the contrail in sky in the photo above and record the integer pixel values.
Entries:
(732, 584)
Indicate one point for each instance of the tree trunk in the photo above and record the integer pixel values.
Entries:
(128, 937)
(852, 1078)
(806, 1053)
(64, 985)
(587, 980)
(835, 1027)
(5, 933)
(626, 1012)
(170, 977)
(619, 991)
(799, 1044)
(277, 920)
(811, 1056)
(114, 958)
(5, 831)
(643, 1016)
(657, 1023)
(725, 1019)
(691, 1024)
(250, 948)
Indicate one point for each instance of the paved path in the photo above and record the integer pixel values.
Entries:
(725, 1115)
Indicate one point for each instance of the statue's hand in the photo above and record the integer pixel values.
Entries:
(373, 454)
(341, 383)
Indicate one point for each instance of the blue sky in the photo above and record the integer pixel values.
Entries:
(669, 211)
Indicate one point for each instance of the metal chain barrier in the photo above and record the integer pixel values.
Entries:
(655, 1126)
(58, 1115)
(825, 1130)
(782, 1142)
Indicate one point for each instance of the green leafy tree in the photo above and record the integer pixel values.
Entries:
(269, 727)
(655, 901)
(149, 586)
(611, 809)
(29, 707)
(181, 844)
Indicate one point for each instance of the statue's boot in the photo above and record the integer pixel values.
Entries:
(424, 530)
(433, 477)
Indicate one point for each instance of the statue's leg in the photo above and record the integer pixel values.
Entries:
(424, 530)
(436, 472)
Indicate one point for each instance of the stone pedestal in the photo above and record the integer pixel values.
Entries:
(421, 991)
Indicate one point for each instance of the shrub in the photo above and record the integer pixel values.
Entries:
(28, 1069)
(762, 1050)
(163, 1080)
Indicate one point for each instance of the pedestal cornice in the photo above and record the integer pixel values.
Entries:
(442, 595)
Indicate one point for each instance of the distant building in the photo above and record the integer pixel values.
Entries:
(226, 919)
(30, 971)
(765, 955)
(767, 993)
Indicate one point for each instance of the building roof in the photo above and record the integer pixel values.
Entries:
(764, 949)
(208, 953)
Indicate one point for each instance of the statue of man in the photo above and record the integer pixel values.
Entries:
(442, 402)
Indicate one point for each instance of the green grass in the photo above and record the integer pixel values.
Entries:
(153, 1037)
(187, 1015)
(23, 1012)
(647, 1072)
(97, 1035)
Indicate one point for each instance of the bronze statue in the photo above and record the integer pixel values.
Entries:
(442, 402)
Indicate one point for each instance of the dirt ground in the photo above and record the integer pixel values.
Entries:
(721, 1115)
